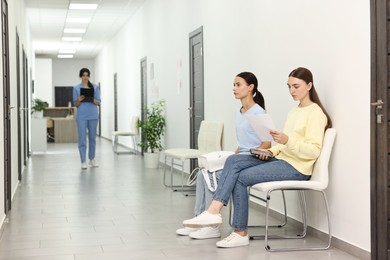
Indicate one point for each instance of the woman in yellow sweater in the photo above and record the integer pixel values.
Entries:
(292, 158)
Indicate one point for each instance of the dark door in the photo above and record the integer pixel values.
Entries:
(144, 91)
(196, 108)
(62, 96)
(26, 110)
(20, 108)
(380, 85)
(7, 107)
(115, 103)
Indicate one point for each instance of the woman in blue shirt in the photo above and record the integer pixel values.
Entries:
(245, 88)
(87, 117)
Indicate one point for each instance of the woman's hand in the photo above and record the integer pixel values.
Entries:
(78, 100)
(279, 137)
(265, 155)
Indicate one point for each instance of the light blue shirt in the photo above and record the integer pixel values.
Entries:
(246, 135)
(86, 110)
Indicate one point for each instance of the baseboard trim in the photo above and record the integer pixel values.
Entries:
(3, 223)
(124, 149)
(336, 242)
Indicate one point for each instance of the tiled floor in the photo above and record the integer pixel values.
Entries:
(117, 211)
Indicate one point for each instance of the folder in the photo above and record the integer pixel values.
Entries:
(88, 93)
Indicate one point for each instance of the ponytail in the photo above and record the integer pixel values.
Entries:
(259, 99)
(250, 78)
(90, 84)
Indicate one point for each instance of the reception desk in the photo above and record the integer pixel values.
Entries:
(65, 130)
(62, 120)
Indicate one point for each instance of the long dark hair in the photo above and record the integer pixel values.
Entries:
(306, 75)
(82, 71)
(250, 78)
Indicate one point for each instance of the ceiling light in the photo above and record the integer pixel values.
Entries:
(83, 6)
(74, 30)
(65, 56)
(78, 20)
(67, 51)
(71, 39)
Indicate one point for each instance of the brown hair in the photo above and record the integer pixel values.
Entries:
(306, 75)
(81, 73)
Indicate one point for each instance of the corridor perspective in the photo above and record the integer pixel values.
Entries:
(117, 211)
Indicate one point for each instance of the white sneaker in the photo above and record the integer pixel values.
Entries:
(186, 231)
(84, 166)
(205, 219)
(206, 232)
(93, 163)
(234, 240)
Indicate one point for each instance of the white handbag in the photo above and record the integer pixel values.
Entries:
(213, 161)
(210, 163)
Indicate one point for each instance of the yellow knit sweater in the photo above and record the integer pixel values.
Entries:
(305, 127)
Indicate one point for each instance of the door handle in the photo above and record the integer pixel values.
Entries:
(378, 110)
(378, 103)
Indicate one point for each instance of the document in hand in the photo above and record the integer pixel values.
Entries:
(262, 124)
(88, 93)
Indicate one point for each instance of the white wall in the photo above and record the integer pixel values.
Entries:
(43, 81)
(16, 24)
(66, 71)
(269, 38)
(50, 73)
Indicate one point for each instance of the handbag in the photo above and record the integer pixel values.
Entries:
(210, 163)
(191, 181)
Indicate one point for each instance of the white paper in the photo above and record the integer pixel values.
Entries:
(262, 124)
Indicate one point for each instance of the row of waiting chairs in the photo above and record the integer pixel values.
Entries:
(210, 139)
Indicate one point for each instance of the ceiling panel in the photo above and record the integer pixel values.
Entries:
(47, 21)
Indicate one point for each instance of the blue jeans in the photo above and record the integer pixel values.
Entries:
(204, 196)
(82, 127)
(242, 171)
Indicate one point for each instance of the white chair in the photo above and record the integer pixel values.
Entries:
(133, 133)
(318, 182)
(209, 140)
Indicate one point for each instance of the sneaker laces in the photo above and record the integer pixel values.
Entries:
(230, 237)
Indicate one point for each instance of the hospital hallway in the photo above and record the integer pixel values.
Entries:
(119, 210)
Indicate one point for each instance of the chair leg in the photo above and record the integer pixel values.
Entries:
(175, 187)
(135, 144)
(165, 171)
(302, 201)
(114, 143)
(280, 225)
(303, 205)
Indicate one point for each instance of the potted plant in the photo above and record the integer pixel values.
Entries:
(152, 129)
(38, 106)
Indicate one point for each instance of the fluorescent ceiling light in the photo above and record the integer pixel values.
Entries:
(65, 56)
(71, 39)
(83, 6)
(78, 20)
(67, 51)
(74, 30)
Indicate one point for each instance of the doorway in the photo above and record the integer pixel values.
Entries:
(115, 103)
(7, 107)
(26, 108)
(62, 96)
(380, 75)
(196, 108)
(19, 107)
(144, 92)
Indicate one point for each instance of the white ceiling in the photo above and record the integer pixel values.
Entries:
(47, 22)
